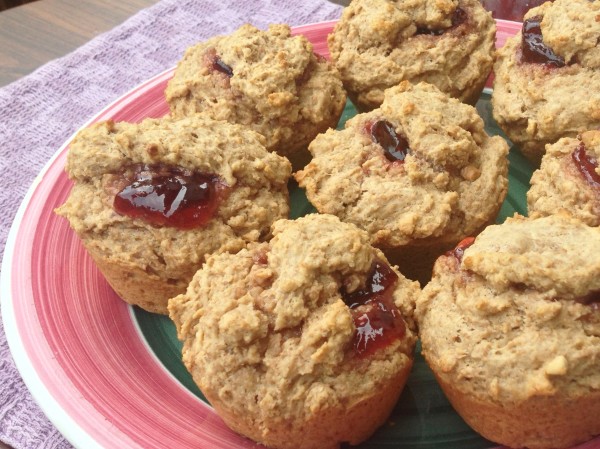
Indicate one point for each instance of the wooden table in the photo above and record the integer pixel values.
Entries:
(35, 33)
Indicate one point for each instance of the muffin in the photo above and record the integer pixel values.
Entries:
(568, 179)
(547, 83)
(379, 43)
(152, 200)
(267, 80)
(303, 342)
(510, 326)
(418, 174)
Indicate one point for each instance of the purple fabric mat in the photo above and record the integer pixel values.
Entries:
(40, 111)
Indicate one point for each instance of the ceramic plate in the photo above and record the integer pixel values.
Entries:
(109, 375)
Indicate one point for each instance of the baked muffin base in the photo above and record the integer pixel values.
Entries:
(136, 286)
(416, 261)
(354, 424)
(470, 96)
(540, 422)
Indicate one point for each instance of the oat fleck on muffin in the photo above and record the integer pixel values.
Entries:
(510, 326)
(303, 342)
(379, 43)
(267, 80)
(152, 200)
(547, 83)
(418, 174)
(568, 179)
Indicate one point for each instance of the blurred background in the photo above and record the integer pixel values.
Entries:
(506, 9)
(5, 4)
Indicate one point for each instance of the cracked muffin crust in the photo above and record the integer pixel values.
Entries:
(418, 174)
(379, 43)
(547, 83)
(303, 342)
(510, 325)
(267, 80)
(568, 179)
(152, 200)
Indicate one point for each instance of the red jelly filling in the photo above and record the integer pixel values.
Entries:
(591, 299)
(586, 165)
(169, 196)
(220, 66)
(377, 320)
(533, 47)
(460, 249)
(395, 147)
(458, 18)
(261, 257)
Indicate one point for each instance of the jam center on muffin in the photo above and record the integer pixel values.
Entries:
(591, 299)
(215, 63)
(534, 49)
(458, 18)
(460, 249)
(220, 66)
(586, 165)
(377, 320)
(167, 195)
(395, 147)
(261, 257)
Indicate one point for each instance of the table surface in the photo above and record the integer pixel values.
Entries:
(35, 33)
(38, 32)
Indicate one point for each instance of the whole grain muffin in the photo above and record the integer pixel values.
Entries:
(267, 80)
(303, 342)
(568, 179)
(379, 43)
(547, 83)
(510, 326)
(152, 200)
(418, 174)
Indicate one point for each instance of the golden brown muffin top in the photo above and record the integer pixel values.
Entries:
(449, 184)
(268, 80)
(379, 43)
(568, 179)
(516, 314)
(268, 333)
(255, 181)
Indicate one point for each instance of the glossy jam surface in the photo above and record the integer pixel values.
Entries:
(220, 66)
(261, 257)
(460, 249)
(168, 195)
(395, 147)
(533, 47)
(586, 165)
(377, 320)
(459, 17)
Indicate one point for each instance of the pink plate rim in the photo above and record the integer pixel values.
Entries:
(84, 359)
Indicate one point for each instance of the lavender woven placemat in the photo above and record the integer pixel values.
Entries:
(40, 111)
